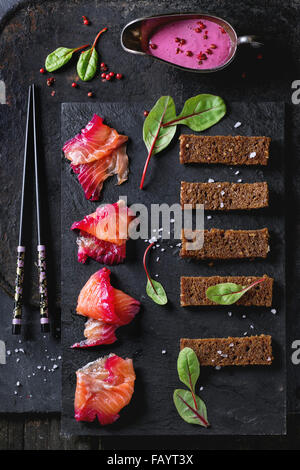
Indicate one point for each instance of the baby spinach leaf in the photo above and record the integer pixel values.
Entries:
(185, 405)
(60, 57)
(201, 112)
(188, 368)
(228, 293)
(156, 292)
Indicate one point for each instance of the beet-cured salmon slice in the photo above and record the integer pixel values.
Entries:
(99, 300)
(110, 223)
(96, 333)
(107, 309)
(95, 142)
(103, 388)
(95, 154)
(100, 250)
(92, 175)
(103, 234)
(96, 299)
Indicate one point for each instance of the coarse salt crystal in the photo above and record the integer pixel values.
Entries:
(222, 193)
(18, 384)
(201, 388)
(245, 333)
(237, 172)
(237, 124)
(222, 204)
(229, 314)
(8, 353)
(273, 311)
(218, 367)
(252, 155)
(172, 221)
(239, 181)
(55, 366)
(209, 217)
(157, 259)
(18, 360)
(211, 180)
(252, 327)
(231, 345)
(244, 316)
(163, 249)
(163, 351)
(219, 352)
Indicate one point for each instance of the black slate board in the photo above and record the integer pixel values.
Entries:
(240, 401)
(34, 360)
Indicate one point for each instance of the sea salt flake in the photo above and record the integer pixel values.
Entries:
(201, 388)
(210, 180)
(274, 311)
(163, 249)
(252, 327)
(222, 193)
(244, 316)
(209, 217)
(237, 172)
(18, 360)
(231, 345)
(245, 333)
(55, 366)
(269, 359)
(229, 314)
(252, 155)
(218, 367)
(8, 353)
(157, 259)
(222, 204)
(239, 181)
(164, 351)
(18, 384)
(152, 240)
(237, 124)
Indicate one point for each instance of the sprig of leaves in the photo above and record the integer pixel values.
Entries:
(227, 293)
(199, 113)
(154, 289)
(189, 406)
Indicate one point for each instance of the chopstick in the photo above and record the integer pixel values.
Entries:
(18, 303)
(41, 249)
(44, 314)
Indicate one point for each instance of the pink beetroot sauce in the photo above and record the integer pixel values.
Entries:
(195, 44)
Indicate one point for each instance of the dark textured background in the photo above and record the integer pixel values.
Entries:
(41, 24)
(240, 401)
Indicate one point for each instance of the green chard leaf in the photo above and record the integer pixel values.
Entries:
(158, 295)
(88, 61)
(201, 112)
(191, 408)
(188, 368)
(60, 57)
(228, 293)
(87, 65)
(154, 135)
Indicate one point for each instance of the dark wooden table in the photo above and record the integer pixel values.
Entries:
(43, 432)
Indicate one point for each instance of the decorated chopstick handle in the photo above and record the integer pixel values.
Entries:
(44, 315)
(17, 313)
